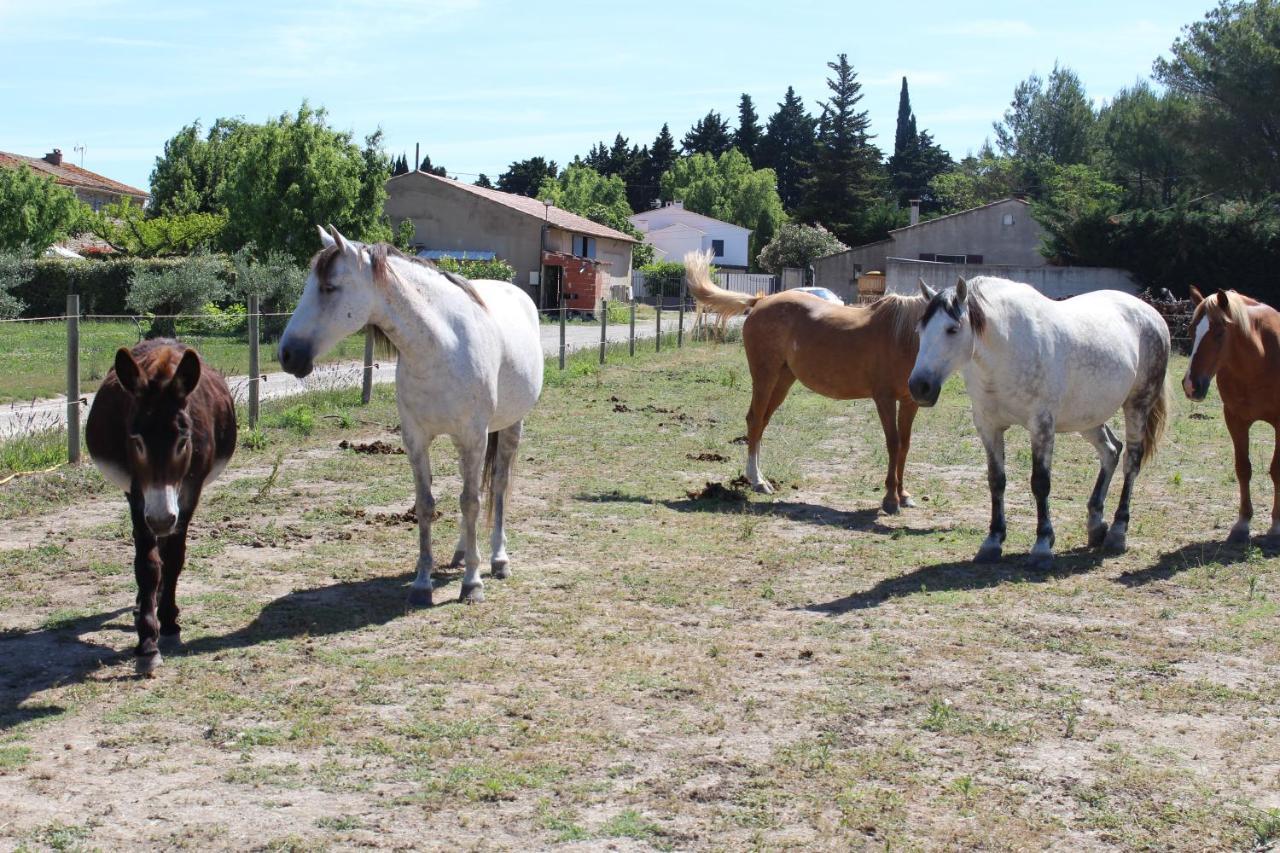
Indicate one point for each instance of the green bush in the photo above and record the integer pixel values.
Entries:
(497, 270)
(664, 278)
(182, 289)
(10, 277)
(276, 279)
(103, 284)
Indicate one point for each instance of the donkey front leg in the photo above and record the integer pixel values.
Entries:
(419, 448)
(146, 571)
(173, 557)
(993, 442)
(471, 464)
(1042, 438)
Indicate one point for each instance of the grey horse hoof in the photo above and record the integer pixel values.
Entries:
(473, 594)
(1098, 535)
(1238, 537)
(1114, 543)
(420, 596)
(459, 557)
(500, 569)
(1040, 562)
(146, 665)
(988, 554)
(889, 506)
(171, 641)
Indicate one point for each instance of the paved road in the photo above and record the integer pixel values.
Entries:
(31, 416)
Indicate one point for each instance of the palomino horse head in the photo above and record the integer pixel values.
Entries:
(159, 446)
(951, 324)
(1214, 321)
(336, 302)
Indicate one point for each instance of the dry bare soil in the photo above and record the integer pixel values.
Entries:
(661, 671)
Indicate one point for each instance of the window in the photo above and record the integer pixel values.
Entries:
(1007, 220)
(950, 259)
(583, 246)
(717, 248)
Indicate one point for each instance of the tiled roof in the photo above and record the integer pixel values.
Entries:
(531, 206)
(71, 175)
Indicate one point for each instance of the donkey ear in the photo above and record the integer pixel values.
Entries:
(187, 376)
(325, 239)
(1196, 297)
(128, 374)
(962, 290)
(926, 291)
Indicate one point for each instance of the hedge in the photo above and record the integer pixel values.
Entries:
(102, 284)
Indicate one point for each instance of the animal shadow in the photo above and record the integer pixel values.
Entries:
(1217, 553)
(962, 575)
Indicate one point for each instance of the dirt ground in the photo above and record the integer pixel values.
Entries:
(669, 666)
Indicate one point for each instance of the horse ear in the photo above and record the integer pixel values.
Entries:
(1196, 298)
(326, 240)
(128, 374)
(187, 376)
(962, 290)
(1224, 302)
(926, 291)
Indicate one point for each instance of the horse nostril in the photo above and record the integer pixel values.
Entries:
(285, 356)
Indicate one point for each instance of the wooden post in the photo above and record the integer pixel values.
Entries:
(366, 379)
(658, 324)
(73, 378)
(255, 369)
(563, 314)
(631, 336)
(604, 327)
(684, 295)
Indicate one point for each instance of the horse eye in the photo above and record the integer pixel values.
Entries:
(181, 444)
(951, 330)
(139, 446)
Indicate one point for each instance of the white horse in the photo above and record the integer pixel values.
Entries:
(1051, 367)
(469, 366)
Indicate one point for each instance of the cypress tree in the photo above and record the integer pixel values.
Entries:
(747, 137)
(787, 147)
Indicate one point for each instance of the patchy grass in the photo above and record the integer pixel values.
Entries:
(661, 671)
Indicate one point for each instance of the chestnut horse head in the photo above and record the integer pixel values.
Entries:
(1216, 323)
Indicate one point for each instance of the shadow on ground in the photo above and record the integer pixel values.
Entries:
(962, 575)
(1195, 555)
(867, 520)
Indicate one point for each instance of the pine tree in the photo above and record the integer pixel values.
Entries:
(787, 147)
(709, 135)
(399, 166)
(846, 176)
(661, 157)
(483, 181)
(747, 137)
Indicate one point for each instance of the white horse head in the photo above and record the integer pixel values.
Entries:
(336, 302)
(949, 329)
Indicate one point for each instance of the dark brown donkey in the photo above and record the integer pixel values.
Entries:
(161, 427)
(1238, 340)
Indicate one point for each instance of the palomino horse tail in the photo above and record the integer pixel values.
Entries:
(1157, 422)
(726, 303)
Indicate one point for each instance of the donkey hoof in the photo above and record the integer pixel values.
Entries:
(420, 596)
(501, 569)
(171, 641)
(988, 554)
(1098, 535)
(147, 665)
(1238, 536)
(890, 507)
(459, 557)
(473, 594)
(1115, 542)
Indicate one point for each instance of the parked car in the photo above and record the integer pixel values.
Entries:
(821, 293)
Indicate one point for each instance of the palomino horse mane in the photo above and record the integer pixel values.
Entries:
(1236, 312)
(904, 312)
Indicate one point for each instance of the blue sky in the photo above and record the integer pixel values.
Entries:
(483, 82)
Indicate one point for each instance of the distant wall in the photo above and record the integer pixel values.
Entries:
(903, 275)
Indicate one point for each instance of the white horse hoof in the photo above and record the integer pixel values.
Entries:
(989, 554)
(147, 665)
(762, 487)
(459, 557)
(471, 594)
(420, 596)
(501, 569)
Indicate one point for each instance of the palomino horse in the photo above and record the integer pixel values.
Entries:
(1051, 367)
(162, 426)
(1238, 340)
(841, 352)
(469, 366)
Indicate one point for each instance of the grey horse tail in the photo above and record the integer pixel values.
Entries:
(1157, 422)
(486, 477)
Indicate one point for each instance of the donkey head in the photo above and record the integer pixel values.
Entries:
(951, 324)
(159, 437)
(336, 302)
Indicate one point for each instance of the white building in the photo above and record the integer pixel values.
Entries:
(674, 231)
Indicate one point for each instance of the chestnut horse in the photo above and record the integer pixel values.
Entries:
(1238, 340)
(162, 426)
(841, 352)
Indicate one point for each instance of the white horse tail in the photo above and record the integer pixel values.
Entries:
(726, 303)
(486, 477)
(1157, 422)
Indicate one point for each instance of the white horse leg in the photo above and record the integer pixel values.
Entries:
(471, 465)
(1041, 466)
(508, 443)
(993, 442)
(1135, 424)
(418, 447)
(1108, 447)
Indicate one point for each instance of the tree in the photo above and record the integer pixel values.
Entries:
(747, 137)
(184, 288)
(709, 135)
(975, 180)
(600, 198)
(425, 166)
(1229, 66)
(483, 181)
(916, 159)
(399, 166)
(798, 245)
(190, 175)
(11, 276)
(35, 212)
(788, 147)
(846, 175)
(275, 278)
(1144, 145)
(1073, 195)
(1047, 123)
(126, 228)
(661, 156)
(525, 177)
(727, 188)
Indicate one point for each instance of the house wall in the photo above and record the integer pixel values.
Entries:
(839, 273)
(903, 276)
(977, 232)
(672, 244)
(735, 237)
